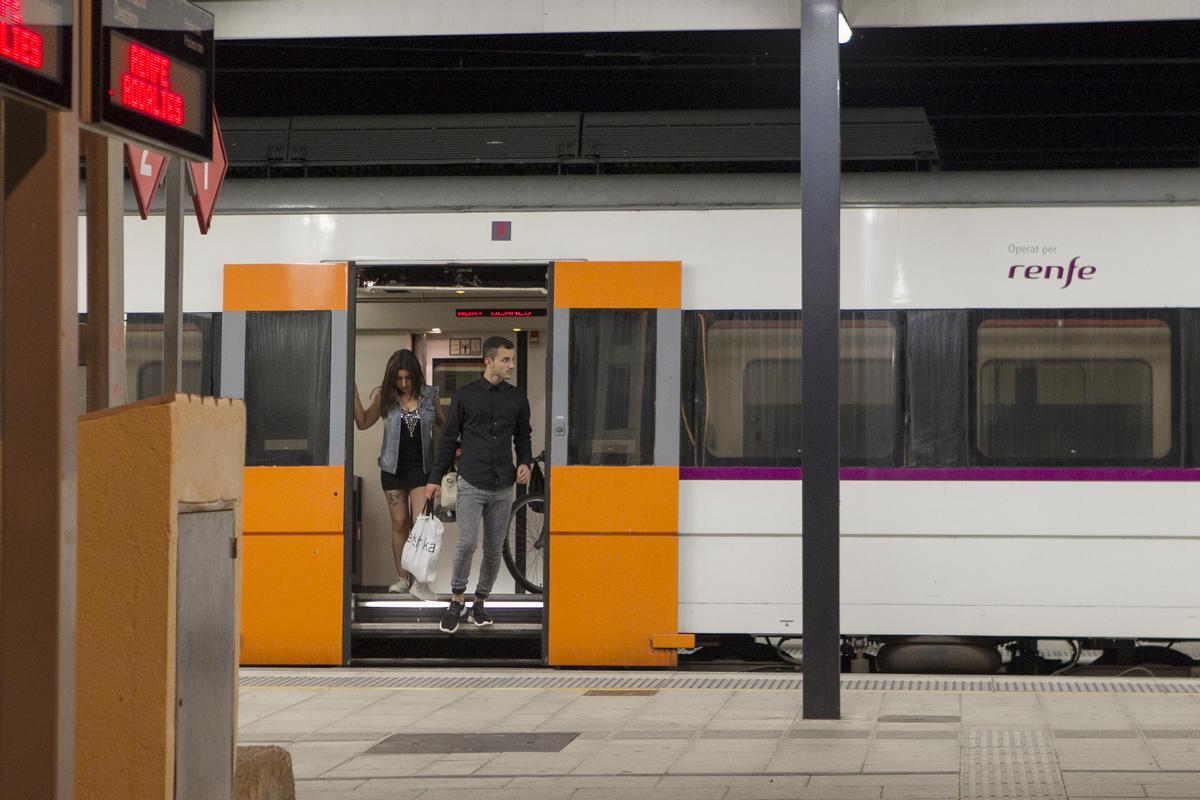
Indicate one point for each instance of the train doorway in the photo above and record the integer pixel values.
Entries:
(442, 312)
(604, 389)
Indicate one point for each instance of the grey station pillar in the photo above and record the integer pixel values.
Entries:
(820, 187)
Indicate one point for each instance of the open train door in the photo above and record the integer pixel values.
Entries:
(284, 334)
(613, 561)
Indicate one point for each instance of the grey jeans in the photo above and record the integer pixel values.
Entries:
(493, 506)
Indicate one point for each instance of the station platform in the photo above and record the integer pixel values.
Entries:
(541, 734)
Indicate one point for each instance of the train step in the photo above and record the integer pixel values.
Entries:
(384, 615)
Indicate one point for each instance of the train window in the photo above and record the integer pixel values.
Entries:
(743, 383)
(610, 396)
(287, 388)
(1073, 390)
(143, 359)
(937, 380)
(451, 373)
(143, 356)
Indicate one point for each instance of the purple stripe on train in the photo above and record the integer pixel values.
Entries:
(947, 474)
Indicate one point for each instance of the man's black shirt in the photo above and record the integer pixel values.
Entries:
(490, 420)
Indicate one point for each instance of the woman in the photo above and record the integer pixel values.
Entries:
(410, 411)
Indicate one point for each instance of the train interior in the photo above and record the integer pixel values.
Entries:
(443, 313)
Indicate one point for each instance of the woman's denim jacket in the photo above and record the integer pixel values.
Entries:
(393, 423)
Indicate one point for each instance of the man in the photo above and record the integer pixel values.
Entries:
(488, 418)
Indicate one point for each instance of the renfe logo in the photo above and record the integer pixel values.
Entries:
(1032, 272)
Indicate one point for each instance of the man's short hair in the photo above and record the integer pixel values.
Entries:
(493, 344)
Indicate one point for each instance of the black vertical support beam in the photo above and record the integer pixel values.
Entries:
(173, 282)
(522, 360)
(820, 187)
(105, 344)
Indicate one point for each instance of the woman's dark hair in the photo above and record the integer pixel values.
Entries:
(390, 396)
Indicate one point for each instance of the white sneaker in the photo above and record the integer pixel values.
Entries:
(401, 585)
(422, 591)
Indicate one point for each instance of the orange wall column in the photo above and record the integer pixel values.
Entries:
(141, 466)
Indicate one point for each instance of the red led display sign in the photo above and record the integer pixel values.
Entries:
(499, 313)
(19, 42)
(154, 85)
(154, 69)
(35, 49)
(146, 85)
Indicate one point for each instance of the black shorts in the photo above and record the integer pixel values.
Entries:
(406, 480)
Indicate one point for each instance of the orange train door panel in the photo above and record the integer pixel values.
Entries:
(295, 594)
(292, 565)
(614, 474)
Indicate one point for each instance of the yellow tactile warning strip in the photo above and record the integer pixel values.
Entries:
(700, 680)
(1000, 764)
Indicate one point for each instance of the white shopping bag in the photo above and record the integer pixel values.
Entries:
(424, 547)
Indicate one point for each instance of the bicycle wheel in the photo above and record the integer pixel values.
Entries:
(525, 541)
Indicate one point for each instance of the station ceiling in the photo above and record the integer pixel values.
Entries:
(1122, 94)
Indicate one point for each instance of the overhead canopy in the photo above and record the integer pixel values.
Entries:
(292, 19)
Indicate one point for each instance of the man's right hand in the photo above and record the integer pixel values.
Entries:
(431, 490)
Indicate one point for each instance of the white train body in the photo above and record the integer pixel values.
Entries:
(973, 550)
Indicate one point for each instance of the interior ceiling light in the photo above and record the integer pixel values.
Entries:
(460, 291)
(844, 31)
(435, 330)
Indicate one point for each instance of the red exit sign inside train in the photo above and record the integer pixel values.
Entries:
(499, 313)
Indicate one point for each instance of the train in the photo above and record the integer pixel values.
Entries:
(1020, 383)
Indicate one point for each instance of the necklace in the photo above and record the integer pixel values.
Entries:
(411, 418)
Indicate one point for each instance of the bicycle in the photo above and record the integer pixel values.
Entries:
(526, 538)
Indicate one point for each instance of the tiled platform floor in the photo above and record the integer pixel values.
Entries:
(716, 744)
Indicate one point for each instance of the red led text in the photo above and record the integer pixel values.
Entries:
(18, 43)
(499, 313)
(146, 87)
